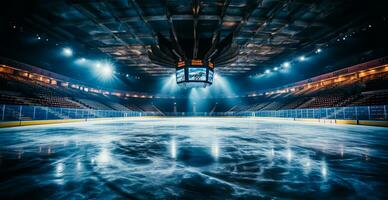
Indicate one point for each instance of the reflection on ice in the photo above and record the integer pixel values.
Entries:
(289, 155)
(173, 148)
(193, 158)
(215, 149)
(342, 150)
(104, 156)
(324, 169)
(59, 169)
(79, 165)
(306, 163)
(59, 173)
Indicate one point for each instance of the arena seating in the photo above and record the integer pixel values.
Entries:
(372, 98)
(117, 106)
(93, 104)
(19, 90)
(275, 105)
(323, 101)
(221, 107)
(295, 103)
(149, 108)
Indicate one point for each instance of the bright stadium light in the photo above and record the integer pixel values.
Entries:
(301, 58)
(107, 70)
(318, 50)
(97, 65)
(80, 60)
(104, 70)
(267, 71)
(286, 64)
(275, 68)
(67, 52)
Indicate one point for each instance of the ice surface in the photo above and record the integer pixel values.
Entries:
(193, 158)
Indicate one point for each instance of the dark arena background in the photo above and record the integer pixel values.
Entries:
(193, 99)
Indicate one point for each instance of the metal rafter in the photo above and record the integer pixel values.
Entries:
(265, 37)
(173, 31)
(140, 13)
(127, 28)
(216, 32)
(196, 8)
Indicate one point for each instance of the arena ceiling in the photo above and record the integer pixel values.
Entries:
(265, 32)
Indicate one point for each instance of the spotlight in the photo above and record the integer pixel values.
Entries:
(98, 65)
(301, 58)
(67, 52)
(267, 71)
(286, 64)
(275, 68)
(80, 60)
(107, 70)
(318, 50)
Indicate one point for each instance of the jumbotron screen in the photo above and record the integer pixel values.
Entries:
(180, 75)
(210, 77)
(194, 73)
(197, 74)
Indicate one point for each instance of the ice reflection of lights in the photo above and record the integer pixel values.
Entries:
(215, 149)
(104, 156)
(20, 155)
(342, 151)
(324, 169)
(79, 166)
(59, 169)
(289, 155)
(271, 153)
(173, 148)
(366, 153)
(306, 163)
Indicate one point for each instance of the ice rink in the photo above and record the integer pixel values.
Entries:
(193, 158)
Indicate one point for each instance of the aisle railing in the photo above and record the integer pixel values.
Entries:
(27, 113)
(378, 113)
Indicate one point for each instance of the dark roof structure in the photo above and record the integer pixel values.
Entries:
(141, 35)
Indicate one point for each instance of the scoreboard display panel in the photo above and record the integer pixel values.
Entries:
(194, 73)
(210, 77)
(197, 74)
(180, 75)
